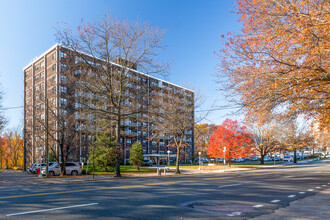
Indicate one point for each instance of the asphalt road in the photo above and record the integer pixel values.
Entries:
(218, 196)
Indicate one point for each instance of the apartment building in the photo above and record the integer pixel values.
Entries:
(46, 78)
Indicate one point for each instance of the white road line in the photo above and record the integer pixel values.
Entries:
(257, 206)
(324, 185)
(291, 196)
(317, 187)
(310, 190)
(289, 176)
(275, 201)
(46, 210)
(301, 192)
(230, 185)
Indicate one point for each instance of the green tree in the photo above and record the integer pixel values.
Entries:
(136, 155)
(104, 152)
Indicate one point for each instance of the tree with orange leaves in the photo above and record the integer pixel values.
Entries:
(232, 137)
(279, 63)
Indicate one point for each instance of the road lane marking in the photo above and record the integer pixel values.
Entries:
(291, 196)
(324, 185)
(47, 210)
(257, 206)
(230, 185)
(310, 190)
(290, 176)
(275, 201)
(301, 192)
(317, 187)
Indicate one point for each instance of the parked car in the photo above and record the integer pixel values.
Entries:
(71, 168)
(255, 158)
(147, 163)
(239, 160)
(276, 158)
(287, 159)
(29, 169)
(37, 170)
(36, 167)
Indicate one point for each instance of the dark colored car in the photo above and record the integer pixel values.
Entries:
(147, 162)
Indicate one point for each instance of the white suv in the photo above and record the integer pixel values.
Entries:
(72, 168)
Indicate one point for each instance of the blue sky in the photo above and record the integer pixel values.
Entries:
(193, 30)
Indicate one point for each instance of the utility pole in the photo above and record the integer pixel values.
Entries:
(47, 154)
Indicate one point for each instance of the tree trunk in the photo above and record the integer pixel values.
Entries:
(295, 156)
(117, 160)
(262, 161)
(177, 171)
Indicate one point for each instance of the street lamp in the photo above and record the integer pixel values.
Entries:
(199, 158)
(168, 158)
(224, 159)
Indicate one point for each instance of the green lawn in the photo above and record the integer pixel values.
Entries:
(124, 169)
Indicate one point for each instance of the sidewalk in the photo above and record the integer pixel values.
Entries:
(312, 207)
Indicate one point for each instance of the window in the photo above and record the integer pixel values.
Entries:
(37, 87)
(54, 56)
(54, 90)
(42, 95)
(63, 55)
(54, 79)
(26, 93)
(42, 74)
(42, 64)
(42, 85)
(37, 77)
(42, 106)
(54, 67)
(63, 89)
(37, 97)
(63, 101)
(63, 66)
(26, 83)
(26, 74)
(128, 141)
(37, 67)
(63, 78)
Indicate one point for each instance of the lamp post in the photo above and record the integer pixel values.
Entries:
(168, 158)
(199, 159)
(224, 159)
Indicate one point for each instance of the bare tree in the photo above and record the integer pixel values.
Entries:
(173, 117)
(109, 52)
